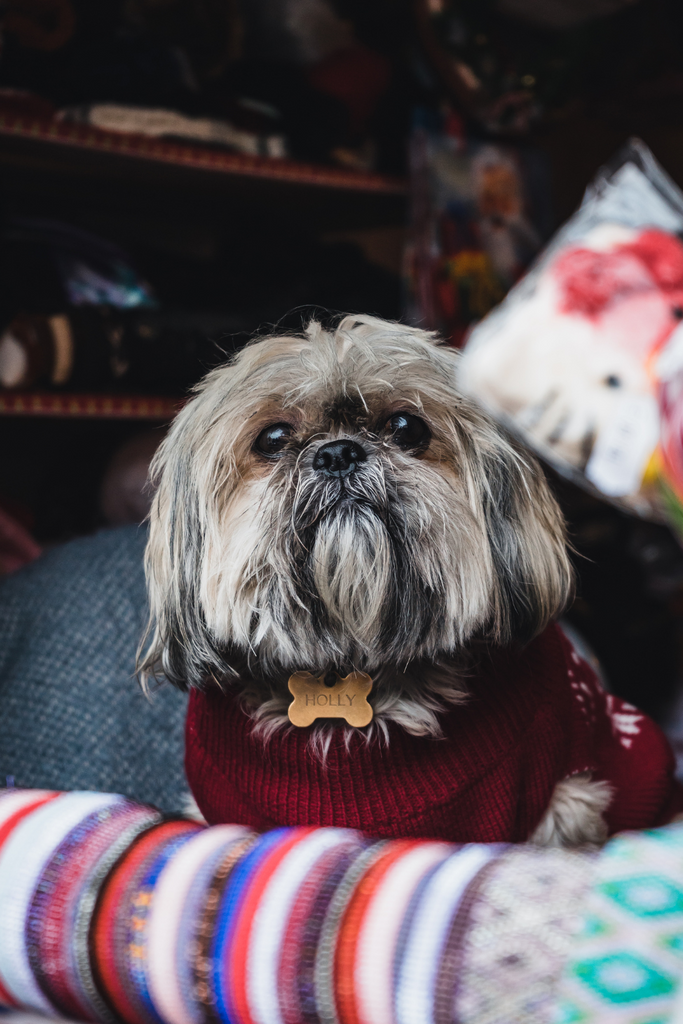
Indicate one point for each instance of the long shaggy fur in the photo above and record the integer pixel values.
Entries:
(258, 568)
(575, 814)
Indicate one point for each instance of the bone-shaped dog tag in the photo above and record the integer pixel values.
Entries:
(346, 699)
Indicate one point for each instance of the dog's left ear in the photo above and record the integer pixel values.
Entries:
(533, 576)
(178, 645)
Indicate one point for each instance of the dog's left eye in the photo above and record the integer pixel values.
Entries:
(273, 439)
(408, 432)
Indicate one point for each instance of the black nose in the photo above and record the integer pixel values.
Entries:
(339, 458)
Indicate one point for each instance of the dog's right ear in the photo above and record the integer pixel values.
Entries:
(177, 644)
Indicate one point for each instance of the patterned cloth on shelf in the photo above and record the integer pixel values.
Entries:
(112, 912)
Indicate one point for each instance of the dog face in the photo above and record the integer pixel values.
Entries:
(332, 501)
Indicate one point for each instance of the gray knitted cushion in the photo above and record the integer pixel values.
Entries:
(72, 715)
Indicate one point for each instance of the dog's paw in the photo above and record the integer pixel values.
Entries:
(575, 814)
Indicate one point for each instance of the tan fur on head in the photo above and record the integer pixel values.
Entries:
(259, 567)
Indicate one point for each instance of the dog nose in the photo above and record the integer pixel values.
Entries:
(339, 458)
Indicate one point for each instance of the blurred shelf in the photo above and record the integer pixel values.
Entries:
(84, 406)
(52, 135)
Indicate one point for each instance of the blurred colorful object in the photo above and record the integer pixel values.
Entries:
(510, 66)
(584, 359)
(48, 261)
(478, 219)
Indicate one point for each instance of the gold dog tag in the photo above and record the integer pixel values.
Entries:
(346, 699)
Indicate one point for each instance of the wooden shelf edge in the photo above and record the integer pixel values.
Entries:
(195, 156)
(88, 406)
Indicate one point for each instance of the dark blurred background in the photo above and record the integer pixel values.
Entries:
(178, 174)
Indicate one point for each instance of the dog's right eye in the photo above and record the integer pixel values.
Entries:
(273, 439)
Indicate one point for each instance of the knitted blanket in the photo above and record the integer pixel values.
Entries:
(113, 914)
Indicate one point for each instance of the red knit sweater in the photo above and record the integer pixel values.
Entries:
(533, 717)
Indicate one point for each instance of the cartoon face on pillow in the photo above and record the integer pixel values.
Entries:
(559, 361)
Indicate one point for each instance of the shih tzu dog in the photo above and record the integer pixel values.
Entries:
(331, 514)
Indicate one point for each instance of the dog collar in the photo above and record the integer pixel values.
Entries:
(315, 698)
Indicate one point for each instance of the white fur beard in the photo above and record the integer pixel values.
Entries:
(350, 576)
(373, 580)
(350, 568)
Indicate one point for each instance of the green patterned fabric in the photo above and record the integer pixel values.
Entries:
(626, 963)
